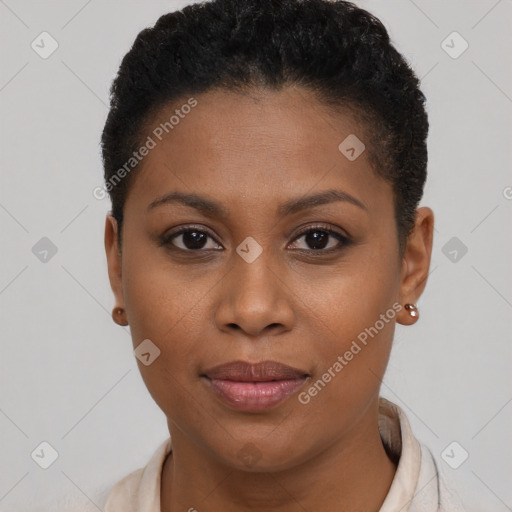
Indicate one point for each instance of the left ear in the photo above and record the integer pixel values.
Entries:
(416, 262)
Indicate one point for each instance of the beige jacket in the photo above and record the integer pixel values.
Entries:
(418, 485)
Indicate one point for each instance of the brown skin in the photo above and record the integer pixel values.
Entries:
(301, 308)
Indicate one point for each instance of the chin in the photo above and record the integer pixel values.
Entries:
(259, 456)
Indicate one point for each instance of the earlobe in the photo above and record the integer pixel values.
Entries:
(114, 265)
(416, 265)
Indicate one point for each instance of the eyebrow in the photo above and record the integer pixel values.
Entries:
(212, 208)
(328, 196)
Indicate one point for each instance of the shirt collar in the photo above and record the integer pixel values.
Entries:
(140, 491)
(401, 446)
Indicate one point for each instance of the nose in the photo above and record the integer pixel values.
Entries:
(255, 299)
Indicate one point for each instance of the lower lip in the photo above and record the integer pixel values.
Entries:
(255, 396)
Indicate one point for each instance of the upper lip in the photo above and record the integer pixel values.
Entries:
(242, 371)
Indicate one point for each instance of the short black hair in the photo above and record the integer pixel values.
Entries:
(332, 48)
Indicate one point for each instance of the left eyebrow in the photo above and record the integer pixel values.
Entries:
(212, 208)
(327, 196)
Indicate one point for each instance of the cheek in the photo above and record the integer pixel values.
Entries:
(162, 307)
(354, 320)
(158, 295)
(353, 344)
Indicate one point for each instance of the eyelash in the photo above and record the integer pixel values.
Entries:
(344, 240)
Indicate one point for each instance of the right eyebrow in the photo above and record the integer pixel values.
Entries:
(204, 205)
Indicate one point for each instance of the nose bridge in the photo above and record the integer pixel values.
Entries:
(253, 297)
(254, 275)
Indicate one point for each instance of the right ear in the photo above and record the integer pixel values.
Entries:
(114, 260)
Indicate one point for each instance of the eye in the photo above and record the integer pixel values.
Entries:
(190, 239)
(320, 238)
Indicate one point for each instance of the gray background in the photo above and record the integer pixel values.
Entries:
(67, 372)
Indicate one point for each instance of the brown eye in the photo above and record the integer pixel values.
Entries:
(190, 239)
(322, 239)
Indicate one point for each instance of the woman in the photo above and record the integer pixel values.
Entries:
(265, 160)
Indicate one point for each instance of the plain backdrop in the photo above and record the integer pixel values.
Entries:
(68, 375)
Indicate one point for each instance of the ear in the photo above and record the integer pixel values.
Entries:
(114, 260)
(416, 262)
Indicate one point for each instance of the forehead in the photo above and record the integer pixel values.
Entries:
(255, 148)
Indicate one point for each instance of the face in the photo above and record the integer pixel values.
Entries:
(248, 236)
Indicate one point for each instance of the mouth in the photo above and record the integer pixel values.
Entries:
(254, 387)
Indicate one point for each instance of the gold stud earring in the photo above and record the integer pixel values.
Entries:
(412, 310)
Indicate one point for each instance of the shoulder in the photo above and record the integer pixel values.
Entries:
(436, 484)
(421, 482)
(450, 498)
(139, 491)
(123, 495)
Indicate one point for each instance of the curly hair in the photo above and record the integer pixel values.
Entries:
(339, 52)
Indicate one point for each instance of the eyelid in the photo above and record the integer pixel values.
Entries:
(343, 238)
(190, 227)
(321, 227)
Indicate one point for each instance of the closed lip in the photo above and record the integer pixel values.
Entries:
(264, 371)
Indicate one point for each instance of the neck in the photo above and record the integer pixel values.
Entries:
(354, 473)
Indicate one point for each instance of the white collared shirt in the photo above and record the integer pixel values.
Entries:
(418, 485)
